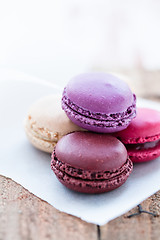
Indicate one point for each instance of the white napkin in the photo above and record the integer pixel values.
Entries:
(31, 168)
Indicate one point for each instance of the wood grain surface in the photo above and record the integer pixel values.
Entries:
(23, 216)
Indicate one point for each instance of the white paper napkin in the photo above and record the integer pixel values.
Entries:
(31, 168)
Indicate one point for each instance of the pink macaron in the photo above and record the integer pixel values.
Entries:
(142, 137)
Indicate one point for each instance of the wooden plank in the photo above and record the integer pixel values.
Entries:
(25, 216)
(139, 227)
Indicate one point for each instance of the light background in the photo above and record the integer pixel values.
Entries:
(56, 39)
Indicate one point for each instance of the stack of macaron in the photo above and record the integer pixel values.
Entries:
(96, 138)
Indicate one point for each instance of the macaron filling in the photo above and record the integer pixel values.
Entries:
(143, 146)
(75, 176)
(98, 119)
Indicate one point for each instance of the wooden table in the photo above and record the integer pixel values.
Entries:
(25, 216)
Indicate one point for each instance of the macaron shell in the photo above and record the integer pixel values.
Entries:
(144, 128)
(99, 92)
(107, 152)
(47, 113)
(46, 123)
(138, 156)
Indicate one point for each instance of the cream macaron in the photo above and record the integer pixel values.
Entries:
(46, 123)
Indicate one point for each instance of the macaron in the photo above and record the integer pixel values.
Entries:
(46, 123)
(89, 162)
(99, 102)
(142, 137)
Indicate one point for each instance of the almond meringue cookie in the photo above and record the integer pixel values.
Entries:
(99, 102)
(91, 162)
(46, 123)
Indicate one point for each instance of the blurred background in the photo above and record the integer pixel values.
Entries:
(57, 39)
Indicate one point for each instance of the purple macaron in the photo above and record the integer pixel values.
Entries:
(99, 102)
(90, 162)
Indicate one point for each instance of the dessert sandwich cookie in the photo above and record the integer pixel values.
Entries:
(99, 102)
(46, 123)
(90, 162)
(142, 137)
